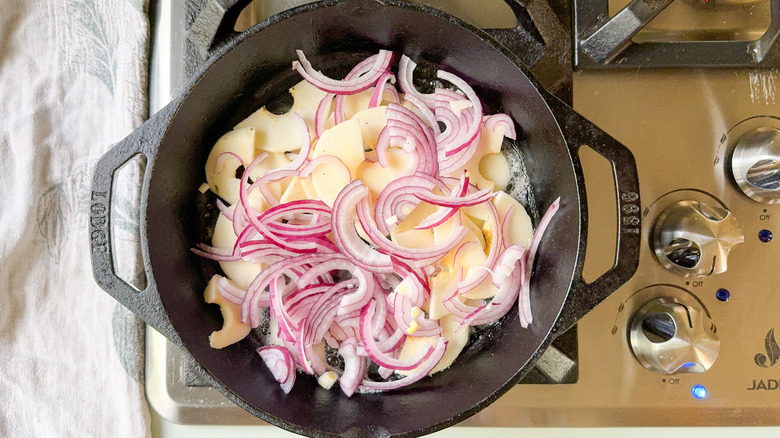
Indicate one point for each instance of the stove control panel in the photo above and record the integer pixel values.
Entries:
(693, 238)
(755, 164)
(669, 336)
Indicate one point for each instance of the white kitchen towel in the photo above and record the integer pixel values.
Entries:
(72, 83)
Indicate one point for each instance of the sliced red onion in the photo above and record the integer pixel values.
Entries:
(425, 369)
(281, 364)
(379, 89)
(393, 342)
(381, 63)
(322, 114)
(230, 291)
(287, 329)
(417, 326)
(274, 175)
(212, 253)
(418, 280)
(354, 367)
(493, 251)
(406, 80)
(379, 357)
(316, 324)
(345, 234)
(378, 239)
(501, 124)
(403, 188)
(459, 202)
(526, 318)
(224, 156)
(505, 298)
(426, 113)
(256, 299)
(460, 159)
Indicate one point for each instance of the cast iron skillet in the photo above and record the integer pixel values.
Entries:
(255, 67)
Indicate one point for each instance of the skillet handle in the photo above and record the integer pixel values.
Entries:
(524, 40)
(145, 303)
(542, 42)
(214, 25)
(583, 296)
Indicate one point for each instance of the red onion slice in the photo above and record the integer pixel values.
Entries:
(399, 190)
(322, 114)
(425, 369)
(416, 254)
(345, 234)
(406, 69)
(379, 90)
(524, 303)
(373, 351)
(281, 364)
(230, 291)
(381, 63)
(354, 366)
(501, 124)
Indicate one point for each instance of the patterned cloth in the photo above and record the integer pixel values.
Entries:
(73, 81)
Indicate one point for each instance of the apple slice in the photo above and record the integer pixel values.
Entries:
(240, 271)
(343, 141)
(233, 330)
(239, 143)
(520, 229)
(457, 340)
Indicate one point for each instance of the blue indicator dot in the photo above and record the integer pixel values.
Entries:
(722, 294)
(765, 236)
(699, 392)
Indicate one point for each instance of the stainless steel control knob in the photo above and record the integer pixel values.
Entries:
(694, 239)
(755, 164)
(669, 337)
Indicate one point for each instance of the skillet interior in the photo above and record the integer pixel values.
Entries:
(254, 71)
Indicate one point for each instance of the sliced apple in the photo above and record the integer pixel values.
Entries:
(222, 179)
(233, 330)
(489, 143)
(343, 141)
(298, 189)
(376, 177)
(355, 103)
(371, 121)
(274, 133)
(441, 284)
(414, 238)
(240, 271)
(328, 180)
(306, 99)
(457, 340)
(467, 222)
(484, 290)
(494, 167)
(520, 229)
(272, 162)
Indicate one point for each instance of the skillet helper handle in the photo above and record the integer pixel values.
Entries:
(583, 296)
(524, 40)
(542, 42)
(214, 25)
(145, 303)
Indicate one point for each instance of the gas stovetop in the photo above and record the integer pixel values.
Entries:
(689, 340)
